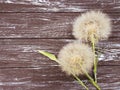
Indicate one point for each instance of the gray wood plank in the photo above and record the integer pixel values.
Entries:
(45, 25)
(23, 52)
(51, 77)
(58, 5)
(29, 25)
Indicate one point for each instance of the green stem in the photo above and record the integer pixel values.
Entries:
(91, 80)
(95, 59)
(52, 57)
(80, 82)
(57, 61)
(89, 77)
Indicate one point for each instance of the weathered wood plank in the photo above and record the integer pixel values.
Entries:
(23, 52)
(58, 5)
(46, 78)
(44, 25)
(29, 25)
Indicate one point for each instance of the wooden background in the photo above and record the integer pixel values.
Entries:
(29, 25)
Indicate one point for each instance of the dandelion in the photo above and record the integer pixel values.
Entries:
(92, 24)
(75, 56)
(75, 59)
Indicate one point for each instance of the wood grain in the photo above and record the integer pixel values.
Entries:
(46, 78)
(29, 25)
(45, 25)
(23, 52)
(58, 5)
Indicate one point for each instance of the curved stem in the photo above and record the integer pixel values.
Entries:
(52, 57)
(92, 81)
(90, 78)
(80, 82)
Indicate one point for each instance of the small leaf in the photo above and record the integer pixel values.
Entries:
(47, 54)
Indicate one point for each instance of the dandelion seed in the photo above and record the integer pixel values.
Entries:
(75, 56)
(92, 23)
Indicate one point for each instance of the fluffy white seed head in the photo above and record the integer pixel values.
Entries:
(92, 22)
(75, 56)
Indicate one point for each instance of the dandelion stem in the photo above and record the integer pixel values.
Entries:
(57, 61)
(80, 82)
(95, 59)
(91, 80)
(52, 57)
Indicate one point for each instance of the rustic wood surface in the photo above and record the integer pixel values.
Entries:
(29, 25)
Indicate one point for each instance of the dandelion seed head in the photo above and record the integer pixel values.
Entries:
(92, 22)
(73, 56)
